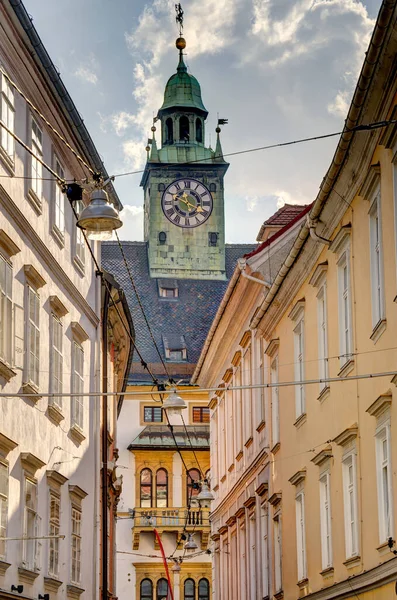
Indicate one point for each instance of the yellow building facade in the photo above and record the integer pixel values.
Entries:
(306, 503)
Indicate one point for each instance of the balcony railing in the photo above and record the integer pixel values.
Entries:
(171, 517)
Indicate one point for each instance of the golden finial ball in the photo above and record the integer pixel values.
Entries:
(153, 128)
(218, 130)
(180, 43)
(147, 148)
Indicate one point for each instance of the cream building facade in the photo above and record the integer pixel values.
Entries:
(312, 511)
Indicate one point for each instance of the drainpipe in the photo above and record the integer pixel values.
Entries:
(312, 224)
(242, 263)
(104, 532)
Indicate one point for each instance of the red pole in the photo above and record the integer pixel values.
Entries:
(170, 594)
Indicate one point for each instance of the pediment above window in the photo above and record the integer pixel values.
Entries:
(381, 404)
(272, 347)
(322, 456)
(319, 274)
(341, 238)
(6, 445)
(34, 277)
(58, 307)
(347, 436)
(30, 463)
(297, 310)
(371, 182)
(78, 332)
(7, 245)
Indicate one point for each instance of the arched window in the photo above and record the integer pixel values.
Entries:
(184, 129)
(169, 133)
(199, 131)
(204, 589)
(191, 490)
(146, 590)
(212, 187)
(189, 590)
(146, 488)
(162, 589)
(161, 488)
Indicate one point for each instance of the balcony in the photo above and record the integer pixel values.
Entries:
(171, 520)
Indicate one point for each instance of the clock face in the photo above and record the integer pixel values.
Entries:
(187, 203)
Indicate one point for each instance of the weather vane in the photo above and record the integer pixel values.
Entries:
(179, 17)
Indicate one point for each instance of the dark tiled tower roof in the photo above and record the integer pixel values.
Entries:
(189, 315)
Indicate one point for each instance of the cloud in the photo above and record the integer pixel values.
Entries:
(340, 104)
(132, 217)
(86, 71)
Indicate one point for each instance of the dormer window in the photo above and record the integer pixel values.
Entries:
(175, 347)
(168, 288)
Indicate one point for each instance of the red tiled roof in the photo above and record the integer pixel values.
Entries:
(285, 214)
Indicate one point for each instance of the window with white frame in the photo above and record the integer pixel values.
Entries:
(6, 316)
(350, 504)
(31, 545)
(300, 535)
(36, 166)
(33, 332)
(325, 520)
(275, 401)
(264, 550)
(7, 116)
(59, 200)
(79, 237)
(56, 358)
(75, 574)
(376, 256)
(299, 368)
(345, 320)
(53, 530)
(252, 556)
(77, 385)
(3, 508)
(322, 335)
(278, 582)
(384, 482)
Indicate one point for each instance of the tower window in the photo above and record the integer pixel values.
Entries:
(199, 131)
(169, 131)
(184, 129)
(161, 187)
(212, 187)
(213, 238)
(162, 237)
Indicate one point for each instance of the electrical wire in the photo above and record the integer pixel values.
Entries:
(192, 448)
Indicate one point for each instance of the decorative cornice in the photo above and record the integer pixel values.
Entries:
(74, 591)
(57, 306)
(340, 239)
(272, 347)
(231, 521)
(78, 332)
(221, 389)
(213, 403)
(27, 575)
(33, 276)
(240, 512)
(3, 567)
(322, 456)
(222, 530)
(245, 339)
(30, 463)
(250, 502)
(319, 272)
(262, 488)
(28, 232)
(228, 374)
(55, 479)
(6, 445)
(347, 435)
(236, 358)
(215, 537)
(381, 404)
(371, 182)
(297, 310)
(275, 498)
(77, 493)
(52, 584)
(7, 245)
(298, 477)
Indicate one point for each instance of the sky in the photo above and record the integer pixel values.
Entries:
(278, 70)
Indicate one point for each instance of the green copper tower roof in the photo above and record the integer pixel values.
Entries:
(182, 89)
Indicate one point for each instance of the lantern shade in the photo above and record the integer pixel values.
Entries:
(174, 404)
(205, 497)
(99, 218)
(190, 545)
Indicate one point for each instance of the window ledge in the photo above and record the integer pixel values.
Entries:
(300, 420)
(4, 566)
(79, 265)
(352, 561)
(52, 583)
(302, 583)
(59, 236)
(55, 412)
(27, 575)
(275, 448)
(324, 394)
(7, 161)
(384, 549)
(6, 371)
(261, 426)
(77, 433)
(279, 595)
(35, 201)
(327, 572)
(31, 388)
(74, 591)
(347, 368)
(378, 330)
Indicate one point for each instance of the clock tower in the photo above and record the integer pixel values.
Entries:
(183, 186)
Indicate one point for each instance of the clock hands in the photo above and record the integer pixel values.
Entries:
(184, 198)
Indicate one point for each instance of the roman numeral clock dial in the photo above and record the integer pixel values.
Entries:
(187, 203)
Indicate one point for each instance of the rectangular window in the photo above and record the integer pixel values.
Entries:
(275, 401)
(3, 507)
(247, 394)
(325, 521)
(175, 355)
(300, 536)
(80, 241)
(7, 115)
(31, 546)
(345, 325)
(77, 385)
(37, 168)
(168, 292)
(57, 359)
(299, 368)
(384, 481)
(264, 551)
(59, 200)
(6, 319)
(33, 336)
(278, 582)
(201, 414)
(53, 530)
(76, 546)
(377, 284)
(239, 411)
(350, 504)
(322, 335)
(153, 414)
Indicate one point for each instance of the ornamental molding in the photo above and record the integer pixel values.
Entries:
(343, 235)
(298, 477)
(33, 276)
(236, 358)
(77, 494)
(275, 498)
(322, 456)
(228, 374)
(7, 245)
(347, 436)
(57, 306)
(78, 332)
(30, 463)
(55, 479)
(262, 488)
(272, 347)
(250, 502)
(245, 340)
(297, 310)
(371, 182)
(6, 445)
(319, 274)
(381, 404)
